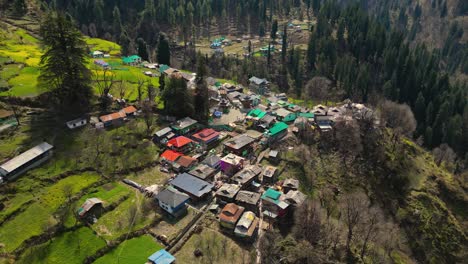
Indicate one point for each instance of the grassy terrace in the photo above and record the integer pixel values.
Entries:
(25, 53)
(39, 214)
(68, 248)
(135, 250)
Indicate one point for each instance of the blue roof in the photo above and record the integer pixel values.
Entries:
(192, 185)
(161, 257)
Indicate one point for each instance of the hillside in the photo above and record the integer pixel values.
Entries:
(348, 138)
(20, 55)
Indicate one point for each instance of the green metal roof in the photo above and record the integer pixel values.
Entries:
(277, 128)
(272, 195)
(256, 113)
(307, 115)
(163, 67)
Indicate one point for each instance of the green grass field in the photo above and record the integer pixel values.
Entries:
(46, 201)
(103, 45)
(69, 248)
(136, 250)
(118, 222)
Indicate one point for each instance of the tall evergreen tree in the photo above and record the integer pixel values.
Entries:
(178, 101)
(19, 8)
(164, 52)
(63, 66)
(142, 49)
(201, 92)
(284, 44)
(274, 29)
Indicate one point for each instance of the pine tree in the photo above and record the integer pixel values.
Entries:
(177, 98)
(274, 29)
(117, 22)
(201, 92)
(142, 49)
(19, 8)
(164, 52)
(63, 66)
(284, 44)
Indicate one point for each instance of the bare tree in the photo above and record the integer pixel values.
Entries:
(348, 139)
(369, 228)
(147, 110)
(104, 80)
(317, 88)
(122, 88)
(352, 208)
(307, 224)
(400, 118)
(140, 84)
(444, 153)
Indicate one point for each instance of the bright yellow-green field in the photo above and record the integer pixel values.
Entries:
(25, 51)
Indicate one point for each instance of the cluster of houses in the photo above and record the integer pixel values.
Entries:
(237, 184)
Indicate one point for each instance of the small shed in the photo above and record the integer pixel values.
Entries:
(161, 257)
(92, 206)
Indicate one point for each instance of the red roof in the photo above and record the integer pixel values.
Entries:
(206, 134)
(179, 142)
(129, 109)
(186, 161)
(113, 116)
(170, 155)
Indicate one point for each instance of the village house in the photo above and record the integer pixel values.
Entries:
(230, 214)
(277, 131)
(247, 225)
(256, 115)
(226, 193)
(273, 205)
(230, 88)
(25, 161)
(184, 126)
(269, 175)
(274, 156)
(132, 60)
(129, 110)
(240, 145)
(266, 122)
(324, 122)
(76, 123)
(173, 201)
(213, 161)
(258, 85)
(284, 115)
(231, 164)
(203, 172)
(114, 119)
(207, 137)
(163, 135)
(247, 176)
(295, 198)
(161, 257)
(170, 72)
(196, 188)
(180, 144)
(249, 200)
(290, 184)
(169, 157)
(101, 63)
(97, 54)
(92, 207)
(184, 163)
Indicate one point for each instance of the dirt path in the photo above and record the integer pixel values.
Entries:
(260, 233)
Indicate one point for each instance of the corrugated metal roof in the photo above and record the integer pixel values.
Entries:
(26, 157)
(192, 184)
(277, 128)
(162, 257)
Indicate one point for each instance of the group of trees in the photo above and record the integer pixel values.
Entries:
(179, 101)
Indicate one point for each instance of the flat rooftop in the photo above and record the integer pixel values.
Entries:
(26, 157)
(239, 142)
